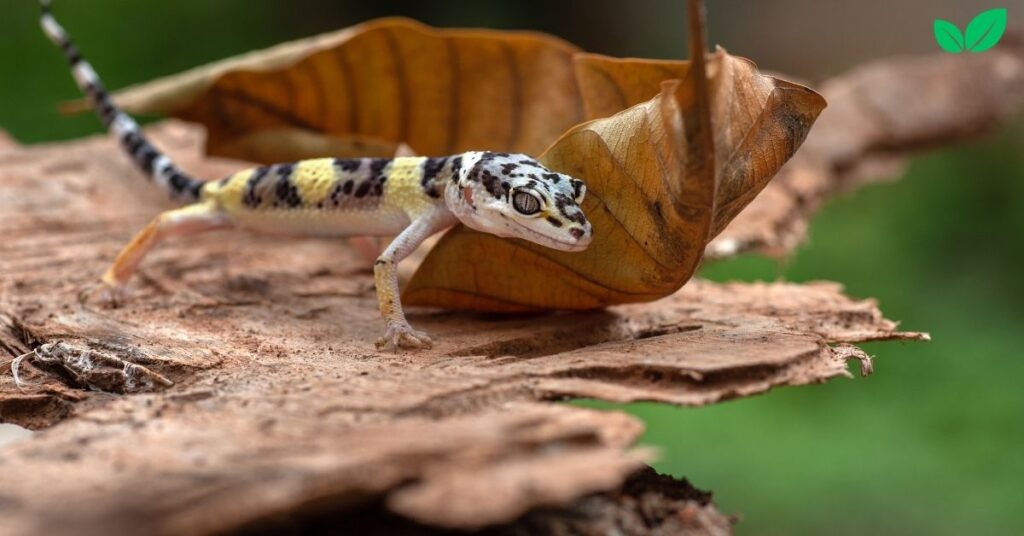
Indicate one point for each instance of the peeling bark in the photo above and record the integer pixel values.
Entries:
(256, 396)
(646, 504)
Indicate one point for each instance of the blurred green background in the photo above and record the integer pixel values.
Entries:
(930, 444)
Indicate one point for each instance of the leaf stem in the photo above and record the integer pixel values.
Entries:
(702, 160)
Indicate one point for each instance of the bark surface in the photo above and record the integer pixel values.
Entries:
(239, 391)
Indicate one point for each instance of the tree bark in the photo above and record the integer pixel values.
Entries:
(239, 389)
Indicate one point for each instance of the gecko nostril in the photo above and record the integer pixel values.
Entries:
(576, 233)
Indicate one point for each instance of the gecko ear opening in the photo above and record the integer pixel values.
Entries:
(579, 190)
(467, 195)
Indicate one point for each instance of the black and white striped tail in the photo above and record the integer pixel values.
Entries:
(148, 158)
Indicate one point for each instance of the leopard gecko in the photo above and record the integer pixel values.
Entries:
(508, 195)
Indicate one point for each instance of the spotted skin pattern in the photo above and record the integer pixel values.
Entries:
(412, 198)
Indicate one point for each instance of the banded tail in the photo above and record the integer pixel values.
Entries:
(147, 157)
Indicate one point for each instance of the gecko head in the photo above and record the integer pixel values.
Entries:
(515, 196)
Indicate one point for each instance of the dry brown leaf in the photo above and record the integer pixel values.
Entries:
(609, 85)
(652, 177)
(362, 90)
(646, 208)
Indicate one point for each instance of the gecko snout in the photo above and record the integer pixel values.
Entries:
(582, 235)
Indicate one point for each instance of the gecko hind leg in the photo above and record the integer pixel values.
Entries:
(188, 220)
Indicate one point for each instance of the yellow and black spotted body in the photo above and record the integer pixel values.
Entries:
(509, 195)
(330, 196)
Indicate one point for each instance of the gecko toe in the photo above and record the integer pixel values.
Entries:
(105, 294)
(403, 337)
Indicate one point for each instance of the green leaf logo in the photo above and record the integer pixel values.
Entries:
(986, 30)
(948, 36)
(983, 32)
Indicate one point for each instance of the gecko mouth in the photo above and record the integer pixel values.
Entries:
(548, 241)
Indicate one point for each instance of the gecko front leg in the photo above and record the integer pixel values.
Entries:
(398, 333)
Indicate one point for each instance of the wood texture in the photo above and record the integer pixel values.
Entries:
(280, 408)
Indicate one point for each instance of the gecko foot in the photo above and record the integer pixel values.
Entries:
(402, 336)
(104, 293)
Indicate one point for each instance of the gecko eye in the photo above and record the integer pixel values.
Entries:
(525, 203)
